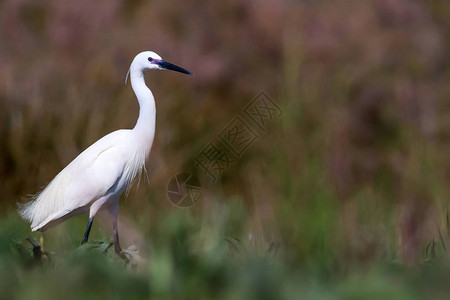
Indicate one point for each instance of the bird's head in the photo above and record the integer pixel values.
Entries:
(149, 60)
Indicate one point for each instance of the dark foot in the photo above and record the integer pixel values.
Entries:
(119, 251)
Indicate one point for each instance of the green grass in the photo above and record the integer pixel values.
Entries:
(187, 261)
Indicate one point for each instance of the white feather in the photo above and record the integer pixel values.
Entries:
(88, 177)
(104, 170)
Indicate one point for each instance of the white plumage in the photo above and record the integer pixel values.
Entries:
(100, 174)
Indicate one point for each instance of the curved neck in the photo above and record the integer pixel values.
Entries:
(145, 125)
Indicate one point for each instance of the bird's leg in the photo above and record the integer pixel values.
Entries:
(114, 211)
(88, 230)
(117, 247)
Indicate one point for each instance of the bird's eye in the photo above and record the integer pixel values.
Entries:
(150, 59)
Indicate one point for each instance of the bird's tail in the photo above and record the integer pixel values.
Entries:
(33, 212)
(45, 204)
(25, 210)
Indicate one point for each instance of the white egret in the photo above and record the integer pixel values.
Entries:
(97, 177)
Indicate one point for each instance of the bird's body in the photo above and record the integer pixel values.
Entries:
(100, 174)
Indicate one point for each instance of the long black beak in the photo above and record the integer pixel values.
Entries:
(168, 66)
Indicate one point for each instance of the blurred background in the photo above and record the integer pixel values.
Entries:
(348, 189)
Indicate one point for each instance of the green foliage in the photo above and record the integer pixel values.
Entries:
(183, 267)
